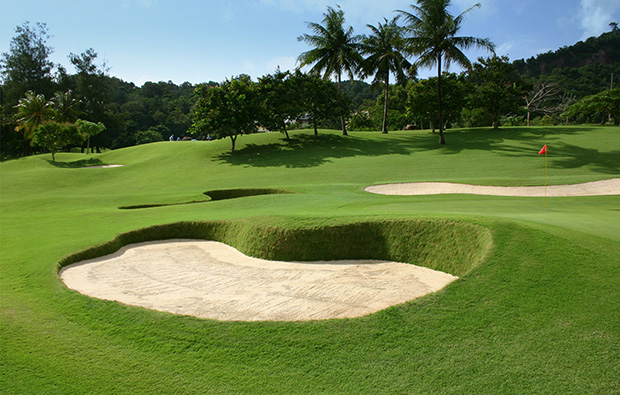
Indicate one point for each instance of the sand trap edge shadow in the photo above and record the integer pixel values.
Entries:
(595, 188)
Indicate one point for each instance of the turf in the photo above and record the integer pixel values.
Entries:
(538, 315)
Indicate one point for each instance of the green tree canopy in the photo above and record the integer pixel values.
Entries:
(89, 129)
(280, 99)
(422, 99)
(606, 104)
(54, 136)
(318, 98)
(26, 67)
(499, 89)
(228, 110)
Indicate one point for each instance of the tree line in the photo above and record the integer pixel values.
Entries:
(491, 91)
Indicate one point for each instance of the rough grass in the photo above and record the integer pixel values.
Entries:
(539, 315)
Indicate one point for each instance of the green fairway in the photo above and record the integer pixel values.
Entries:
(538, 314)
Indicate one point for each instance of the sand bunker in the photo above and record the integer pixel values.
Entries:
(208, 279)
(100, 167)
(605, 187)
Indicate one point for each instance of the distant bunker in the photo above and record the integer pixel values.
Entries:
(311, 273)
(217, 194)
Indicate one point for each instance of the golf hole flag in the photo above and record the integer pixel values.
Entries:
(543, 151)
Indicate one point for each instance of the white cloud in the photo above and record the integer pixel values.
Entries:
(595, 16)
(504, 48)
(283, 62)
(249, 66)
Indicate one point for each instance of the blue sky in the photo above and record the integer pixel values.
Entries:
(199, 41)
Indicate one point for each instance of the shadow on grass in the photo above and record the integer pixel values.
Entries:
(316, 151)
(77, 164)
(218, 194)
(327, 147)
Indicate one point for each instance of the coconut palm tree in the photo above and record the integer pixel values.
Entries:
(65, 107)
(386, 55)
(336, 49)
(32, 111)
(433, 38)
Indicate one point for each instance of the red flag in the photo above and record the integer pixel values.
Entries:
(543, 150)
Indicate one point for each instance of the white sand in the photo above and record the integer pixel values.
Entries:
(100, 167)
(208, 279)
(605, 187)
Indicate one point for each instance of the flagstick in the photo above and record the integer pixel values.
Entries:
(545, 178)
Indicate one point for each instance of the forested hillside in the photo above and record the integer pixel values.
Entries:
(582, 69)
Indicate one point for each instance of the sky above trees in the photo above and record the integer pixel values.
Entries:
(203, 40)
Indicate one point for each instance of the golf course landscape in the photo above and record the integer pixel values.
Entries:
(535, 308)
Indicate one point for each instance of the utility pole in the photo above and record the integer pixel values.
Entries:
(611, 87)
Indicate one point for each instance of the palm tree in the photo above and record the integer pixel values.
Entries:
(432, 37)
(385, 50)
(32, 111)
(336, 49)
(65, 107)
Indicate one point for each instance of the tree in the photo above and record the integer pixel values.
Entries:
(89, 129)
(541, 99)
(280, 101)
(228, 110)
(26, 67)
(65, 107)
(148, 136)
(91, 87)
(32, 111)
(606, 104)
(499, 90)
(54, 136)
(423, 95)
(432, 37)
(320, 99)
(385, 50)
(336, 49)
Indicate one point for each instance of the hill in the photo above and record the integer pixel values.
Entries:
(582, 69)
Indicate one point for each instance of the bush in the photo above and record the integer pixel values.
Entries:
(147, 136)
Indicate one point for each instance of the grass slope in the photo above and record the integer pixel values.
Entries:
(539, 315)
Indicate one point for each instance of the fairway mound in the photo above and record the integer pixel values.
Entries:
(596, 188)
(208, 279)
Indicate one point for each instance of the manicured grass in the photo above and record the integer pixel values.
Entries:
(538, 315)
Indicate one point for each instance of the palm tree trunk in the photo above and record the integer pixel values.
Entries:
(344, 124)
(441, 138)
(385, 103)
